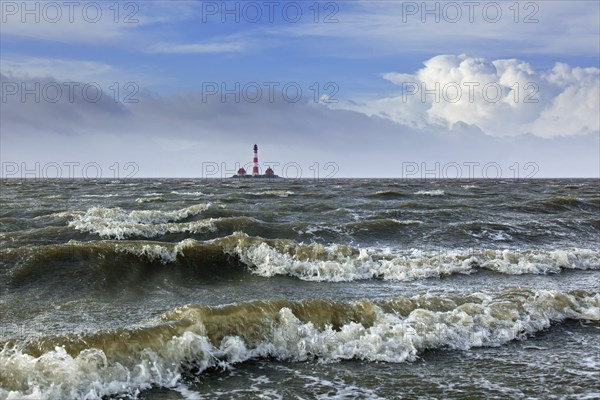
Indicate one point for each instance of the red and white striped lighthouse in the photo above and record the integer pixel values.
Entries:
(255, 167)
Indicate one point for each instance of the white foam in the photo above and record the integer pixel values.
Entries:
(279, 193)
(101, 195)
(335, 263)
(339, 263)
(336, 266)
(499, 236)
(186, 393)
(155, 252)
(187, 193)
(119, 224)
(540, 261)
(436, 192)
(90, 375)
(148, 199)
(407, 221)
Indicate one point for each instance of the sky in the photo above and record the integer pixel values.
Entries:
(396, 89)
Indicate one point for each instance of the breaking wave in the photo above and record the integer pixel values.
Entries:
(188, 340)
(119, 224)
(310, 262)
(333, 263)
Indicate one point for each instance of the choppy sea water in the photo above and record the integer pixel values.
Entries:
(285, 289)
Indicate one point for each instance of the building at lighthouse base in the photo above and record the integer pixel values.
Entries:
(269, 174)
(262, 176)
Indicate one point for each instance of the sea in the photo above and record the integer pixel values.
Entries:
(299, 289)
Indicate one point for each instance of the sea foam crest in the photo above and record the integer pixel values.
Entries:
(436, 192)
(148, 199)
(188, 193)
(316, 262)
(157, 252)
(119, 224)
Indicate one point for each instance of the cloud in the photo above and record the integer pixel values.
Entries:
(174, 135)
(384, 28)
(115, 81)
(61, 69)
(198, 48)
(501, 97)
(90, 22)
(62, 22)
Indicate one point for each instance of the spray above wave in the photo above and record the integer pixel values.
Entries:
(189, 340)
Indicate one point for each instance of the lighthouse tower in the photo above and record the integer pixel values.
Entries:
(255, 167)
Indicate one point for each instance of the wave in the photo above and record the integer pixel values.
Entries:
(188, 193)
(558, 201)
(376, 223)
(317, 195)
(366, 228)
(270, 193)
(378, 227)
(101, 195)
(149, 199)
(386, 194)
(334, 263)
(568, 203)
(552, 205)
(114, 264)
(189, 340)
(119, 224)
(436, 192)
(493, 231)
(240, 252)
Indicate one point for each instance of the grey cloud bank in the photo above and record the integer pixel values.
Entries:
(176, 135)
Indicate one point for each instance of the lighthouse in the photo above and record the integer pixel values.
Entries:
(255, 171)
(269, 173)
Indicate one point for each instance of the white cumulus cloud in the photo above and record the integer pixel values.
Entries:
(501, 97)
